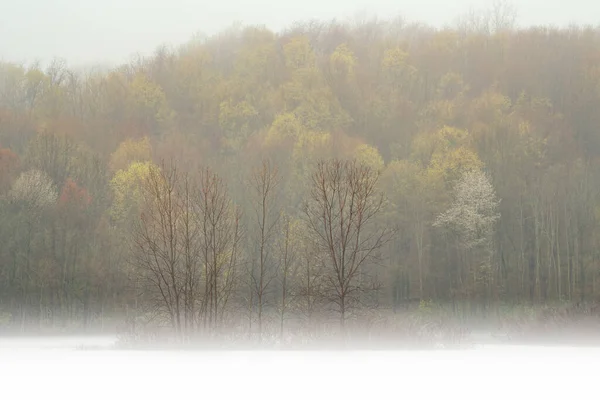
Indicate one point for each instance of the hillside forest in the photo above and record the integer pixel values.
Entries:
(256, 180)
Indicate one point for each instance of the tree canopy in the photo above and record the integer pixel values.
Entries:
(483, 139)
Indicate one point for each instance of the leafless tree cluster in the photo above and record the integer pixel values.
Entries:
(500, 17)
(185, 248)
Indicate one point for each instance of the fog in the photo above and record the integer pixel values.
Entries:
(356, 186)
(490, 371)
(88, 32)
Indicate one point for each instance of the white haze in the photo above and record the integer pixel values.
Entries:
(57, 367)
(110, 31)
(86, 32)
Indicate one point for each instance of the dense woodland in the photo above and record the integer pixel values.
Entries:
(256, 178)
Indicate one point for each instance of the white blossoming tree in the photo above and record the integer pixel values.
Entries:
(34, 190)
(471, 219)
(474, 212)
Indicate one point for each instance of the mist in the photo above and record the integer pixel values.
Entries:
(151, 375)
(373, 197)
(89, 32)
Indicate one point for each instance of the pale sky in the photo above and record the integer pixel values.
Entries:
(111, 31)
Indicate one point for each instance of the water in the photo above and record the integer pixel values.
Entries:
(49, 367)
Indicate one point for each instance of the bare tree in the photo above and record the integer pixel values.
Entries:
(221, 232)
(500, 16)
(287, 257)
(264, 187)
(341, 210)
(190, 231)
(156, 246)
(184, 226)
(310, 276)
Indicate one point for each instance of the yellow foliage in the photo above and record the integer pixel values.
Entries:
(312, 144)
(369, 155)
(258, 54)
(445, 111)
(444, 42)
(394, 59)
(307, 94)
(445, 155)
(452, 164)
(524, 128)
(130, 151)
(299, 53)
(309, 148)
(395, 66)
(315, 105)
(425, 146)
(235, 118)
(400, 177)
(236, 121)
(449, 137)
(445, 139)
(343, 60)
(451, 86)
(285, 126)
(415, 192)
(150, 98)
(127, 189)
(491, 106)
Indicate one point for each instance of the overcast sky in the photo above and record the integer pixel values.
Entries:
(110, 31)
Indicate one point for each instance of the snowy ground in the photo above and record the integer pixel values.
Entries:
(33, 368)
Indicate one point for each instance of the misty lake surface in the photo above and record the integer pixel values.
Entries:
(89, 368)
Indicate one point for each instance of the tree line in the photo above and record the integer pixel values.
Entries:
(328, 168)
(199, 266)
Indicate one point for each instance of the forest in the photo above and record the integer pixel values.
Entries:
(326, 175)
